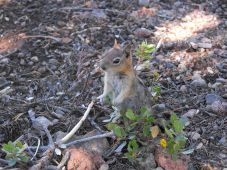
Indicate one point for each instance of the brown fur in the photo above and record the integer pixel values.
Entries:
(121, 81)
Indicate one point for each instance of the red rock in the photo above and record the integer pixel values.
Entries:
(165, 161)
(81, 159)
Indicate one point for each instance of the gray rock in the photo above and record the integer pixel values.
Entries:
(199, 83)
(195, 135)
(42, 70)
(95, 145)
(30, 63)
(149, 162)
(21, 55)
(218, 107)
(183, 88)
(158, 108)
(22, 62)
(4, 61)
(144, 2)
(35, 59)
(60, 112)
(191, 113)
(53, 61)
(211, 98)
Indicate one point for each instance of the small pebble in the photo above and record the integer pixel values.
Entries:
(183, 88)
(35, 59)
(4, 61)
(144, 2)
(30, 63)
(22, 62)
(21, 55)
(211, 98)
(53, 61)
(42, 70)
(191, 113)
(195, 135)
(199, 83)
(199, 146)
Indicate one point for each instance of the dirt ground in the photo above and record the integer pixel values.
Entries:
(49, 51)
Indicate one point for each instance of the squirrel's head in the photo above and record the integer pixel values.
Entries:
(117, 59)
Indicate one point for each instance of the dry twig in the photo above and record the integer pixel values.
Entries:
(73, 131)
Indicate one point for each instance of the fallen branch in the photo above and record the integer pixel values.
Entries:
(104, 135)
(108, 134)
(36, 151)
(74, 130)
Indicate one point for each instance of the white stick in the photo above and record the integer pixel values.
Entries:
(73, 131)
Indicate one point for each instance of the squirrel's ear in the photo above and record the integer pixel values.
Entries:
(127, 50)
(116, 45)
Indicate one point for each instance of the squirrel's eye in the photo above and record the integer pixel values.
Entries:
(116, 61)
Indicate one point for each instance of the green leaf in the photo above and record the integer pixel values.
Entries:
(146, 130)
(149, 119)
(143, 110)
(168, 132)
(173, 118)
(156, 75)
(157, 90)
(119, 131)
(19, 144)
(176, 123)
(8, 148)
(24, 158)
(129, 155)
(132, 146)
(110, 126)
(170, 145)
(130, 114)
(144, 50)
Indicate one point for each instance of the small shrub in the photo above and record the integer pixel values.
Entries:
(15, 153)
(143, 52)
(140, 127)
(175, 138)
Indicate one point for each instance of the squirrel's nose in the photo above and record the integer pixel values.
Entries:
(103, 67)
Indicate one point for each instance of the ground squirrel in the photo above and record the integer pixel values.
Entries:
(121, 82)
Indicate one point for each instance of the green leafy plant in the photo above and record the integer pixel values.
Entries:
(137, 128)
(132, 149)
(143, 52)
(15, 153)
(140, 127)
(176, 140)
